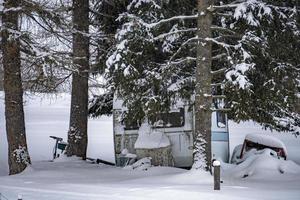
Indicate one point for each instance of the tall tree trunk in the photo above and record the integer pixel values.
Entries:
(203, 100)
(18, 157)
(1, 79)
(77, 135)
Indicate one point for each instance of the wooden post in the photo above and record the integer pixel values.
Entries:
(217, 174)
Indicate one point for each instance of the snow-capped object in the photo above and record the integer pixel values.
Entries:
(143, 164)
(266, 140)
(246, 9)
(216, 163)
(237, 74)
(150, 139)
(130, 155)
(261, 164)
(138, 3)
(124, 151)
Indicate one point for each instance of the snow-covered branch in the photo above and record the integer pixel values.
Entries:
(158, 23)
(181, 47)
(162, 36)
(184, 60)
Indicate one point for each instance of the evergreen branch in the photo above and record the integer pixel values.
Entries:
(219, 28)
(226, 6)
(219, 71)
(181, 47)
(180, 17)
(219, 56)
(187, 59)
(155, 24)
(161, 36)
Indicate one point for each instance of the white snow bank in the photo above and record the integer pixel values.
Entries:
(266, 140)
(260, 164)
(150, 139)
(74, 179)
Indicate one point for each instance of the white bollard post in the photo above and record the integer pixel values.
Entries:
(19, 197)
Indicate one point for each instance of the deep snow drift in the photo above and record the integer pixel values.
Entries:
(75, 179)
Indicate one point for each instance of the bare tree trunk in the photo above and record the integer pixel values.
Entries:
(18, 157)
(203, 101)
(77, 135)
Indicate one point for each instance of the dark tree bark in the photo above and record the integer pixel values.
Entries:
(203, 100)
(18, 157)
(77, 135)
(298, 105)
(1, 79)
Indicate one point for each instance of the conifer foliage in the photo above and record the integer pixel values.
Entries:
(253, 59)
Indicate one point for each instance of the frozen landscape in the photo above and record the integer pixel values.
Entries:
(171, 72)
(70, 178)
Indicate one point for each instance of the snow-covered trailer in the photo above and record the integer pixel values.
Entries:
(171, 139)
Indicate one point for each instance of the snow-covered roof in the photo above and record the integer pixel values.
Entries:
(266, 140)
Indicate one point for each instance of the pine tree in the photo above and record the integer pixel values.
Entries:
(104, 15)
(155, 57)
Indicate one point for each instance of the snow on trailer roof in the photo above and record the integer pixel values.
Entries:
(266, 140)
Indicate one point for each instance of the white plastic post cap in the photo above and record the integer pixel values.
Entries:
(19, 197)
(216, 163)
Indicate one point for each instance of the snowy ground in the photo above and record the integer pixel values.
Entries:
(48, 115)
(73, 179)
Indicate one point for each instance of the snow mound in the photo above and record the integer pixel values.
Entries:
(143, 164)
(151, 139)
(263, 163)
(266, 140)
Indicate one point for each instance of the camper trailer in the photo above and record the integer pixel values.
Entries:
(168, 139)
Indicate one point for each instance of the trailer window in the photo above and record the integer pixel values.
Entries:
(168, 120)
(161, 120)
(131, 125)
(221, 119)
